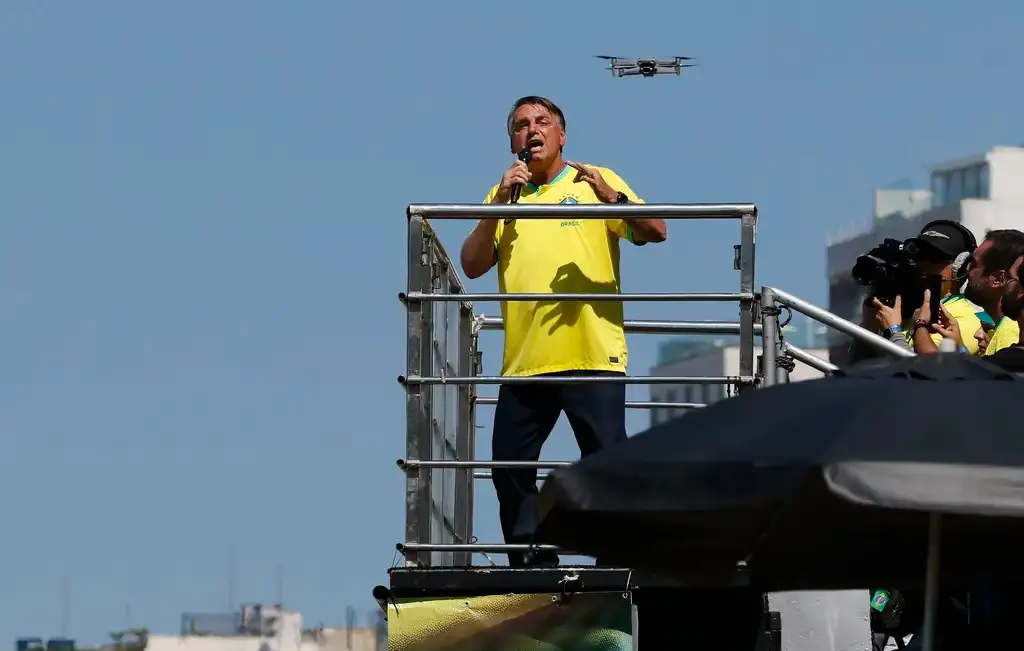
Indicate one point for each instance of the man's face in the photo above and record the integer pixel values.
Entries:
(1013, 293)
(535, 127)
(982, 285)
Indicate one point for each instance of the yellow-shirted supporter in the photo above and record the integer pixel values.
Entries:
(561, 338)
(1011, 358)
(988, 282)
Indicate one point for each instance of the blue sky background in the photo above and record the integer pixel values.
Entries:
(202, 237)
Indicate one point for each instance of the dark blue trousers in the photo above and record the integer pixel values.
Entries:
(523, 420)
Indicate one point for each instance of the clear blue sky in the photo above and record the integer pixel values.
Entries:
(202, 237)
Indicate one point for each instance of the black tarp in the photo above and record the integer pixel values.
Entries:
(816, 484)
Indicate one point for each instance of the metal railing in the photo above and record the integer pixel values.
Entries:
(444, 363)
(774, 347)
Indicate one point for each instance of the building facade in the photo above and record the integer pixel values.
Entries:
(716, 356)
(982, 192)
(255, 627)
(268, 627)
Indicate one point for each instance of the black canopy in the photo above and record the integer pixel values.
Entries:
(816, 484)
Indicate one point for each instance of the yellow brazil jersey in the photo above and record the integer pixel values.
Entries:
(1006, 333)
(569, 256)
(966, 314)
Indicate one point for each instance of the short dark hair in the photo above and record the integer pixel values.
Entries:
(1007, 247)
(535, 100)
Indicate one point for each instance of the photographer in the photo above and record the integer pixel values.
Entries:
(938, 259)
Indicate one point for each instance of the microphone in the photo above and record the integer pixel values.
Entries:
(524, 155)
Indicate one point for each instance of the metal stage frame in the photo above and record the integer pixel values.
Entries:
(444, 368)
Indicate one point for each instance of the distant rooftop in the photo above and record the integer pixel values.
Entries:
(949, 183)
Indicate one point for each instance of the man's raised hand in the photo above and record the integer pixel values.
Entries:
(604, 192)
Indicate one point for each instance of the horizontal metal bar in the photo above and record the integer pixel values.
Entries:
(810, 359)
(630, 404)
(694, 297)
(650, 327)
(476, 548)
(595, 210)
(842, 325)
(648, 404)
(487, 474)
(578, 379)
(509, 465)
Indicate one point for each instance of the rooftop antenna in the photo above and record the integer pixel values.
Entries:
(231, 579)
(65, 606)
(350, 623)
(280, 584)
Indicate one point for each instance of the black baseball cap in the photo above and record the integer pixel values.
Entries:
(945, 238)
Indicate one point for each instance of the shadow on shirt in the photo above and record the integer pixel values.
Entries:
(570, 279)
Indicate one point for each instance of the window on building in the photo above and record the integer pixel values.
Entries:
(983, 188)
(972, 179)
(955, 188)
(939, 188)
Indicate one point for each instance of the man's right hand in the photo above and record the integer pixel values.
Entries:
(518, 174)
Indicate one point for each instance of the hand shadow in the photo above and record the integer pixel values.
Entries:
(509, 235)
(569, 279)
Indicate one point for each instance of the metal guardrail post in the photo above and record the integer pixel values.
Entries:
(745, 265)
(464, 432)
(769, 337)
(419, 351)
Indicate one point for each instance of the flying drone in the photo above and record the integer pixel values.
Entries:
(622, 67)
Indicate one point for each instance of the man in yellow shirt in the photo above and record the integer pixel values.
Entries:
(988, 282)
(555, 338)
(1011, 358)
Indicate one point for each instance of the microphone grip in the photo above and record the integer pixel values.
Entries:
(525, 156)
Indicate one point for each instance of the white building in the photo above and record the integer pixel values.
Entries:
(266, 627)
(983, 193)
(717, 356)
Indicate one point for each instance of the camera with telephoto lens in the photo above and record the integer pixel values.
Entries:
(890, 270)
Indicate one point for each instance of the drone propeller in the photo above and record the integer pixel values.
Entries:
(606, 57)
(684, 58)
